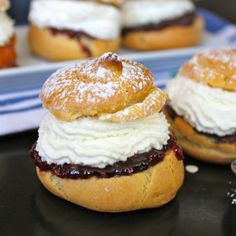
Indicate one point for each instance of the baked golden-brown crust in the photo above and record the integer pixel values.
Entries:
(199, 145)
(153, 103)
(59, 47)
(8, 54)
(151, 188)
(4, 5)
(216, 68)
(100, 87)
(170, 37)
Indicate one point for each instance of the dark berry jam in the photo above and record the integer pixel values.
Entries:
(78, 35)
(134, 164)
(184, 20)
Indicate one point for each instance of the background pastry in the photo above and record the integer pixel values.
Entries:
(7, 38)
(160, 24)
(203, 106)
(105, 144)
(64, 30)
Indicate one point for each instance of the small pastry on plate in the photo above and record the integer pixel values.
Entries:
(66, 30)
(160, 24)
(104, 143)
(202, 109)
(7, 38)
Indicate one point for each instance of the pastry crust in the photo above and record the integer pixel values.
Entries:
(151, 104)
(199, 145)
(8, 54)
(102, 87)
(153, 187)
(170, 37)
(216, 68)
(60, 47)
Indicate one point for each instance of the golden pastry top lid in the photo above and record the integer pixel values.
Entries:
(108, 88)
(4, 5)
(216, 68)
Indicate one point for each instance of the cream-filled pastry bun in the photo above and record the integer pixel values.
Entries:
(104, 143)
(160, 24)
(202, 109)
(66, 30)
(7, 37)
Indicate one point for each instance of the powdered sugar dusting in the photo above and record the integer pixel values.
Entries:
(95, 91)
(217, 68)
(226, 56)
(153, 103)
(135, 72)
(59, 80)
(89, 85)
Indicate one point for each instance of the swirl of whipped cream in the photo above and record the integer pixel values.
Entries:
(98, 20)
(137, 13)
(209, 110)
(93, 142)
(6, 28)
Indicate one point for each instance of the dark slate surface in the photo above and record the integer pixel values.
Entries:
(26, 208)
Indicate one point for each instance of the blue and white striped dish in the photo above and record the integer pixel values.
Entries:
(21, 109)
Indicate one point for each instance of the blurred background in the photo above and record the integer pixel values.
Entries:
(225, 8)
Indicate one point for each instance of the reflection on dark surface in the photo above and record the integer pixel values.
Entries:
(229, 222)
(56, 216)
(205, 211)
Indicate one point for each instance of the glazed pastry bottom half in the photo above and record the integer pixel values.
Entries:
(8, 54)
(175, 36)
(67, 45)
(206, 147)
(153, 183)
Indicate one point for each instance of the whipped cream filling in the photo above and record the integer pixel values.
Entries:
(98, 20)
(98, 143)
(6, 28)
(136, 13)
(209, 110)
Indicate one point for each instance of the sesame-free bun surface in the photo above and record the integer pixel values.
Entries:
(215, 68)
(170, 37)
(153, 187)
(8, 54)
(107, 88)
(59, 47)
(201, 146)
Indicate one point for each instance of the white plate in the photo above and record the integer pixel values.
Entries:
(28, 62)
